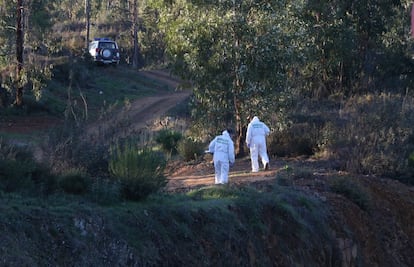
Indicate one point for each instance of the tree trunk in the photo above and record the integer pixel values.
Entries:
(135, 58)
(238, 88)
(19, 53)
(3, 97)
(240, 137)
(88, 22)
(240, 128)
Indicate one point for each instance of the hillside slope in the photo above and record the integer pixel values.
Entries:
(302, 212)
(371, 218)
(300, 222)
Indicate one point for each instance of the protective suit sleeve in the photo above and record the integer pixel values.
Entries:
(248, 135)
(212, 145)
(231, 152)
(266, 129)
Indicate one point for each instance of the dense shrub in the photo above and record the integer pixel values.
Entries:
(15, 175)
(19, 172)
(44, 181)
(168, 139)
(75, 183)
(294, 141)
(140, 172)
(93, 158)
(375, 136)
(190, 149)
(67, 150)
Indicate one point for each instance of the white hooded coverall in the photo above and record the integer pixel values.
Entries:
(256, 141)
(223, 154)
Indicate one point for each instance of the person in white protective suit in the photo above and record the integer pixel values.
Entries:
(222, 148)
(256, 142)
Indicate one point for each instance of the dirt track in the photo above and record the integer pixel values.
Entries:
(187, 177)
(139, 116)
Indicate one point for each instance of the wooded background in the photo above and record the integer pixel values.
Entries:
(242, 57)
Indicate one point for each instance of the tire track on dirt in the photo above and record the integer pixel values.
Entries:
(139, 115)
(136, 117)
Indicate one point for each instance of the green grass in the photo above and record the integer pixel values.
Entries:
(205, 227)
(125, 82)
(97, 89)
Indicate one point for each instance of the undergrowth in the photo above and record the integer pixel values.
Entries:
(209, 226)
(139, 171)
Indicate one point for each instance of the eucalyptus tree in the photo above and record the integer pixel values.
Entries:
(7, 46)
(235, 53)
(134, 20)
(395, 56)
(12, 22)
(25, 22)
(355, 45)
(88, 22)
(4, 53)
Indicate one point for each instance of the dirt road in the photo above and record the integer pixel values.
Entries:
(139, 114)
(185, 177)
(137, 117)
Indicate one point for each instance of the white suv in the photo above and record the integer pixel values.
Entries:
(104, 51)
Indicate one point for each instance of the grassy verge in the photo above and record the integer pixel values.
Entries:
(210, 226)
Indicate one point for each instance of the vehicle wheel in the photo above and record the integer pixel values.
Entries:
(106, 53)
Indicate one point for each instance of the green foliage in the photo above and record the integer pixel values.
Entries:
(67, 150)
(169, 140)
(287, 143)
(140, 172)
(20, 173)
(190, 149)
(375, 136)
(93, 158)
(15, 175)
(299, 134)
(75, 182)
(312, 47)
(36, 71)
(411, 159)
(178, 229)
(245, 57)
(345, 51)
(152, 45)
(231, 53)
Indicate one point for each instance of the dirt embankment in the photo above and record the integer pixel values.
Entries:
(371, 218)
